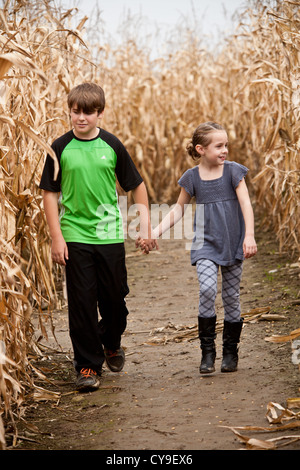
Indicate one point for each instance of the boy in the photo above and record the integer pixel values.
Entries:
(87, 236)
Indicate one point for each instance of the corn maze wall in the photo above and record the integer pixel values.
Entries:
(252, 87)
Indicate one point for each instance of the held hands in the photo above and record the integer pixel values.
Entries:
(147, 244)
(249, 246)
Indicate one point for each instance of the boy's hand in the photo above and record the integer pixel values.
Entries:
(59, 250)
(146, 245)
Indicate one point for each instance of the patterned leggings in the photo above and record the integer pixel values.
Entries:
(231, 277)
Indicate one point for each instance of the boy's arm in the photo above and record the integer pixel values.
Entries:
(141, 199)
(249, 246)
(59, 249)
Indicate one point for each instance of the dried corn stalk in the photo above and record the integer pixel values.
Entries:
(37, 62)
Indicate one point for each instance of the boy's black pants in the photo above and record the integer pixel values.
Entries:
(97, 287)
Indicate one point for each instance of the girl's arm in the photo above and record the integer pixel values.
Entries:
(141, 199)
(174, 215)
(249, 245)
(59, 249)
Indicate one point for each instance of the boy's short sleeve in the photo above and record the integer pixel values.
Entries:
(126, 171)
(238, 172)
(186, 182)
(47, 180)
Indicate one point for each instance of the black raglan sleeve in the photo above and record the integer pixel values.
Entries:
(126, 171)
(47, 179)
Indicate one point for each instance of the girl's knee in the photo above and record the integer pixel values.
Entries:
(208, 291)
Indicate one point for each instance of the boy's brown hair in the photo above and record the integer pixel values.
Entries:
(87, 97)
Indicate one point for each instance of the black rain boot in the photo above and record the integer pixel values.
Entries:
(231, 338)
(207, 335)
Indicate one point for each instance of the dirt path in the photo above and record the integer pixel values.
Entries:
(160, 401)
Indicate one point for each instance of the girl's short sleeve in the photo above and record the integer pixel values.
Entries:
(186, 182)
(238, 172)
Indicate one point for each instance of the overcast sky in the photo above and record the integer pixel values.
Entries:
(212, 17)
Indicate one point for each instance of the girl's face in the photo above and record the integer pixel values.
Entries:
(216, 152)
(85, 124)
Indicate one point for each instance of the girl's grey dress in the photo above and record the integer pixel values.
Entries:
(219, 224)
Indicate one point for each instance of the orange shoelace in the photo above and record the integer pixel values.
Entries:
(87, 372)
(111, 353)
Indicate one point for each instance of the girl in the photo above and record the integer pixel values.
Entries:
(224, 236)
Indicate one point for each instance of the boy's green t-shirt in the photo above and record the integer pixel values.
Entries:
(87, 179)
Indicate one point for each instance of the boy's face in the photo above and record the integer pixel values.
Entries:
(85, 124)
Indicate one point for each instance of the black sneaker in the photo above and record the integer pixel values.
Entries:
(87, 380)
(115, 359)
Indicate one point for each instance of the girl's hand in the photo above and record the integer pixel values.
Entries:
(146, 245)
(249, 246)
